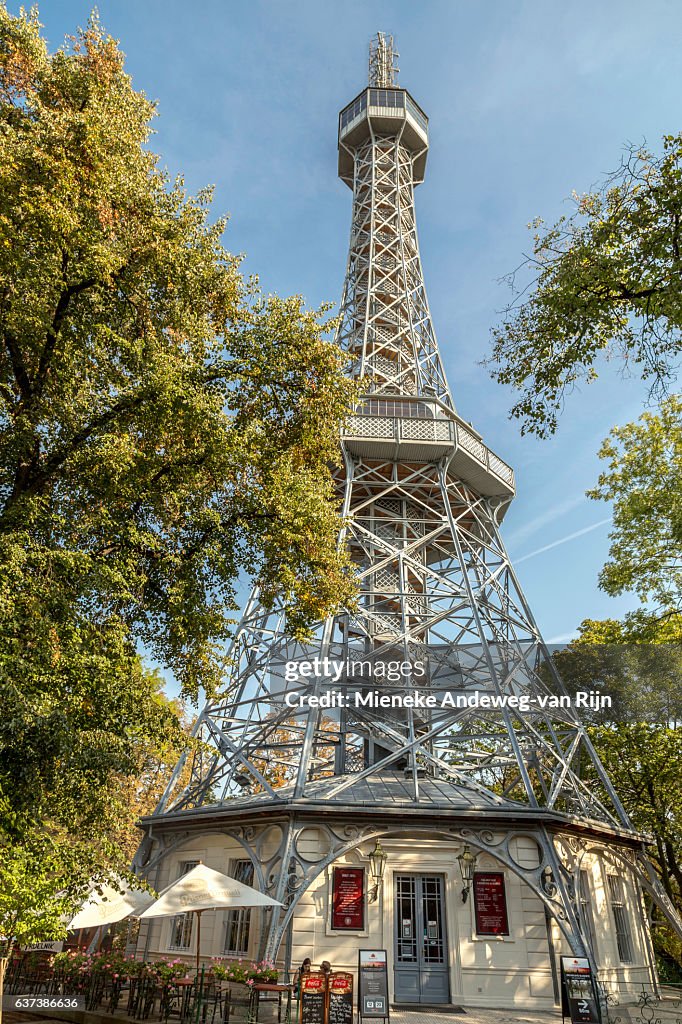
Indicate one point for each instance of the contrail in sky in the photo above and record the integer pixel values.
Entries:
(558, 510)
(563, 540)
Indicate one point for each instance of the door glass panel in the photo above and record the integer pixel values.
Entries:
(406, 910)
(433, 951)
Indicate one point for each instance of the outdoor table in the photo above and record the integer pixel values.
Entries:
(176, 998)
(260, 987)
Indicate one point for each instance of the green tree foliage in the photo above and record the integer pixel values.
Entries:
(643, 763)
(643, 680)
(76, 760)
(638, 739)
(644, 482)
(607, 282)
(30, 908)
(163, 426)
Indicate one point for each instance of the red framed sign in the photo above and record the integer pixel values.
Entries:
(490, 903)
(348, 899)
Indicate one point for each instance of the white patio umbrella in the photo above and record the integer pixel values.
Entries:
(111, 906)
(202, 889)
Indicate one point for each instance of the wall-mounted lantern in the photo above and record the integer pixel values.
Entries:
(377, 866)
(467, 866)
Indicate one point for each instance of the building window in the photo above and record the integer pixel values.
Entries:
(386, 98)
(353, 109)
(181, 925)
(238, 922)
(586, 914)
(620, 918)
(394, 407)
(419, 115)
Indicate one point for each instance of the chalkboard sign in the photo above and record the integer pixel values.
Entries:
(372, 983)
(578, 996)
(313, 998)
(340, 1010)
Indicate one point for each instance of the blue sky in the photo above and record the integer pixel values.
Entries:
(527, 101)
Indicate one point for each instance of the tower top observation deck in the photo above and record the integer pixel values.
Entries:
(383, 108)
(407, 412)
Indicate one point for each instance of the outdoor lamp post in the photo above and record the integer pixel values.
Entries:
(377, 864)
(467, 866)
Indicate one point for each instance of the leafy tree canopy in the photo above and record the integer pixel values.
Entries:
(163, 426)
(78, 765)
(643, 680)
(643, 761)
(607, 281)
(638, 739)
(644, 482)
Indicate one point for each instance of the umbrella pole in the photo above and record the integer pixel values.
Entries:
(198, 913)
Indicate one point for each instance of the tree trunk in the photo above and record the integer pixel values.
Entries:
(4, 961)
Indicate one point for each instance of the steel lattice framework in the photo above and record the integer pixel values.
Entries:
(423, 498)
(386, 325)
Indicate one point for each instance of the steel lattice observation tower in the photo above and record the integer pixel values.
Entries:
(424, 498)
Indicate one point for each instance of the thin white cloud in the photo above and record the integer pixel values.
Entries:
(558, 510)
(563, 540)
(563, 638)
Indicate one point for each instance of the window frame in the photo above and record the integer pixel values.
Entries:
(622, 922)
(238, 920)
(182, 921)
(586, 907)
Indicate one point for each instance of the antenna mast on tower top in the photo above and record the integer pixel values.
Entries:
(382, 70)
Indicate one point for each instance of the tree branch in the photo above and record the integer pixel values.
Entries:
(20, 372)
(34, 481)
(51, 340)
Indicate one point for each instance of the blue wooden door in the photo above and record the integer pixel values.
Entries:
(421, 955)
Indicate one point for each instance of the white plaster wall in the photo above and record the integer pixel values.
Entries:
(218, 852)
(511, 971)
(507, 971)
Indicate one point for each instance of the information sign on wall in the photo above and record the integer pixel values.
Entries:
(372, 983)
(490, 903)
(348, 898)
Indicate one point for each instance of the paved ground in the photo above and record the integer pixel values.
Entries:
(474, 1016)
(471, 1016)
